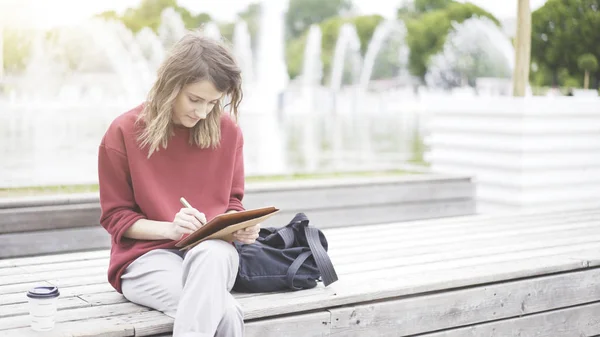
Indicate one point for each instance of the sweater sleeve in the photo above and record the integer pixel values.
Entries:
(237, 184)
(117, 202)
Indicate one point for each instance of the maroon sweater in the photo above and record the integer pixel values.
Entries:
(133, 187)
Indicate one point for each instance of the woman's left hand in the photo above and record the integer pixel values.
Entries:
(248, 235)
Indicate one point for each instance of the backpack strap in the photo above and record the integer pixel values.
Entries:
(319, 253)
(293, 269)
(287, 232)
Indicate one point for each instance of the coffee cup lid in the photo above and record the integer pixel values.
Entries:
(43, 292)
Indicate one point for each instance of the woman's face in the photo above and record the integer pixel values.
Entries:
(194, 102)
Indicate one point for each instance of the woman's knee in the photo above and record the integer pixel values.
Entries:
(162, 295)
(216, 250)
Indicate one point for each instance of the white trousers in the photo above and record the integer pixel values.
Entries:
(194, 288)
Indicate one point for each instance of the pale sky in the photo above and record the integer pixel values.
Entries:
(45, 13)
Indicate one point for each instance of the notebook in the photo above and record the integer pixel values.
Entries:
(223, 226)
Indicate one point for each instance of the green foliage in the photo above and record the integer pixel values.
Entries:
(303, 13)
(540, 77)
(148, 14)
(108, 15)
(428, 25)
(16, 49)
(252, 17)
(426, 37)
(226, 30)
(294, 55)
(424, 6)
(587, 62)
(571, 82)
(365, 27)
(562, 30)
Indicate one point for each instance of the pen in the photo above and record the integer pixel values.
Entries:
(185, 203)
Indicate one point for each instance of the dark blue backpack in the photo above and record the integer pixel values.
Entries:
(293, 257)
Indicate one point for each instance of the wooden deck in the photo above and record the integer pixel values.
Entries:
(514, 275)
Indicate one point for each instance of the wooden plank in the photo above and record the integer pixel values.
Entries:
(100, 277)
(50, 200)
(414, 237)
(365, 266)
(578, 321)
(439, 225)
(381, 248)
(446, 310)
(123, 325)
(54, 276)
(16, 220)
(305, 325)
(68, 315)
(64, 240)
(354, 196)
(59, 282)
(571, 252)
(21, 287)
(411, 255)
(252, 187)
(356, 181)
(54, 241)
(418, 228)
(18, 309)
(347, 291)
(409, 267)
(71, 302)
(343, 217)
(112, 297)
(516, 241)
(64, 292)
(66, 265)
(408, 234)
(468, 221)
(82, 211)
(65, 257)
(12, 271)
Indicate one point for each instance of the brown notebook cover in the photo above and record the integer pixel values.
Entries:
(223, 226)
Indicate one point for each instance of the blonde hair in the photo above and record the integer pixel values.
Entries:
(192, 59)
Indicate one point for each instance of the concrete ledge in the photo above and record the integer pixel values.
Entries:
(31, 226)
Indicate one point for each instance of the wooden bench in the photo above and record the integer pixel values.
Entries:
(57, 224)
(512, 275)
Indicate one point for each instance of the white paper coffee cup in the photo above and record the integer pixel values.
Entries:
(42, 307)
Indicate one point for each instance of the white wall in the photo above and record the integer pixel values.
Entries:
(535, 153)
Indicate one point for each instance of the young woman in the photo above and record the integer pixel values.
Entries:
(179, 143)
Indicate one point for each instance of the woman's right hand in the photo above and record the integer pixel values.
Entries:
(186, 221)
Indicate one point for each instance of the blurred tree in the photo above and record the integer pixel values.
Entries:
(588, 63)
(540, 75)
(365, 27)
(148, 14)
(108, 15)
(565, 25)
(428, 23)
(303, 13)
(16, 49)
(294, 55)
(252, 17)
(226, 30)
(424, 6)
(571, 82)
